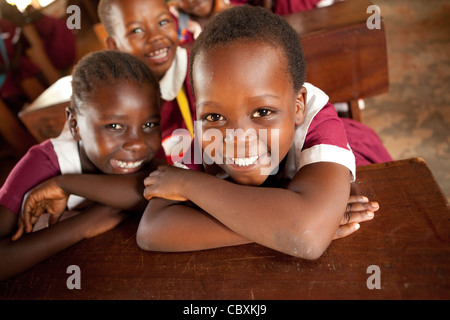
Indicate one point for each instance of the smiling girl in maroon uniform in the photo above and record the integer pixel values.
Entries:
(147, 30)
(114, 124)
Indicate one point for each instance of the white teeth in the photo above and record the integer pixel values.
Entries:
(158, 54)
(128, 165)
(244, 162)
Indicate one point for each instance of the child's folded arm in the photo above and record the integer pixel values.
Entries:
(301, 220)
(175, 226)
(120, 191)
(19, 255)
(123, 191)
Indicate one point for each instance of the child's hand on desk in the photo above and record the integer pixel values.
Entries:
(165, 183)
(359, 209)
(47, 197)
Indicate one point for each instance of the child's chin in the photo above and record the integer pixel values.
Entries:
(254, 179)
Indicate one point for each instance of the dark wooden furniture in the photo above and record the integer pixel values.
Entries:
(344, 57)
(409, 240)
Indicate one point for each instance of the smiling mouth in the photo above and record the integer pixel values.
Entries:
(245, 162)
(128, 164)
(158, 54)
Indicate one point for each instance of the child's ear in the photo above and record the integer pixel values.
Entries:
(111, 43)
(300, 106)
(71, 119)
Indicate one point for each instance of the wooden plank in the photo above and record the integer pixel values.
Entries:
(409, 240)
(348, 64)
(344, 57)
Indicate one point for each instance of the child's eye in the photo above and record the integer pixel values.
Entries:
(162, 23)
(150, 125)
(264, 112)
(136, 30)
(115, 126)
(165, 19)
(213, 117)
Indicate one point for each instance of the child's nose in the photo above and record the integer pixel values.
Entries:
(240, 130)
(242, 142)
(241, 135)
(154, 35)
(134, 145)
(135, 142)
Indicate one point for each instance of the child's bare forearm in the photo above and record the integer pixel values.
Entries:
(300, 220)
(119, 191)
(18, 256)
(168, 226)
(301, 223)
(22, 254)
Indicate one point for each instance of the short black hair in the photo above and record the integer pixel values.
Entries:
(106, 67)
(254, 24)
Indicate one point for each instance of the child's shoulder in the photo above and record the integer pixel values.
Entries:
(325, 128)
(65, 149)
(38, 164)
(321, 138)
(320, 114)
(43, 150)
(40, 157)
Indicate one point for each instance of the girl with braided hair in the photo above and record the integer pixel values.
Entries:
(114, 130)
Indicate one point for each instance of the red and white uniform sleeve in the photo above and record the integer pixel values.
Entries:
(321, 138)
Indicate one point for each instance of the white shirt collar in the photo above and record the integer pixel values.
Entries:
(172, 82)
(316, 99)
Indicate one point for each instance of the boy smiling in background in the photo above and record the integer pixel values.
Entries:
(147, 30)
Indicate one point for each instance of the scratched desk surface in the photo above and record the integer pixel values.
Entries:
(408, 241)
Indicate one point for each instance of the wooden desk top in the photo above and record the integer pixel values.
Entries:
(337, 16)
(343, 56)
(408, 240)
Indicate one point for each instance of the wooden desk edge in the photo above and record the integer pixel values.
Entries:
(323, 16)
(183, 273)
(400, 162)
(397, 163)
